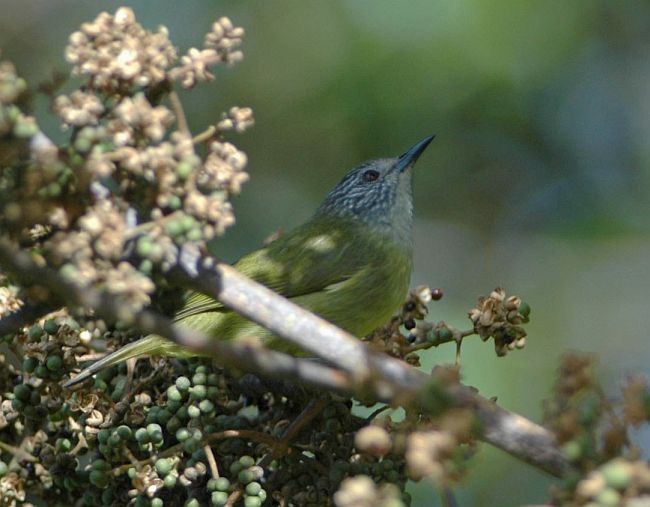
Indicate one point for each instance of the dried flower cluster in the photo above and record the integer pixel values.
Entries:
(500, 317)
(130, 190)
(594, 433)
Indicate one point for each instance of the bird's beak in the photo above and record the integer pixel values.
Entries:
(410, 157)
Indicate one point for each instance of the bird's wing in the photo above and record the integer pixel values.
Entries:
(309, 259)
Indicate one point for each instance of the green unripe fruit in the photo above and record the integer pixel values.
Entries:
(174, 228)
(41, 371)
(174, 202)
(144, 246)
(141, 435)
(174, 394)
(98, 478)
(246, 476)
(198, 392)
(54, 363)
(206, 406)
(183, 434)
(184, 169)
(252, 501)
(246, 461)
(219, 498)
(3, 469)
(190, 445)
(163, 466)
(50, 326)
(193, 411)
(155, 432)
(199, 379)
(192, 502)
(608, 497)
(617, 474)
(173, 424)
(253, 488)
(221, 484)
(35, 332)
(22, 392)
(183, 384)
(572, 450)
(170, 480)
(157, 502)
(30, 364)
(63, 445)
(145, 267)
(100, 464)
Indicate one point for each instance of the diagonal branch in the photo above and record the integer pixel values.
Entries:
(355, 367)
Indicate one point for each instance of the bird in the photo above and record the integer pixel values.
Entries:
(350, 263)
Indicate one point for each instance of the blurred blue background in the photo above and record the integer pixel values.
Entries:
(539, 179)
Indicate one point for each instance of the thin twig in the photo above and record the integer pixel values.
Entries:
(205, 135)
(212, 462)
(177, 107)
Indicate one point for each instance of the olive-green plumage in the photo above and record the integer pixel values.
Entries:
(350, 263)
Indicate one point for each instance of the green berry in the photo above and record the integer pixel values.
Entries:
(174, 202)
(198, 392)
(617, 474)
(246, 476)
(222, 484)
(253, 488)
(252, 501)
(50, 326)
(30, 364)
(157, 502)
(100, 464)
(193, 411)
(183, 384)
(184, 169)
(174, 394)
(246, 461)
(218, 498)
(155, 432)
(63, 445)
(3, 469)
(124, 432)
(170, 480)
(192, 502)
(54, 363)
(141, 435)
(206, 406)
(41, 371)
(173, 424)
(22, 392)
(199, 379)
(98, 478)
(35, 332)
(174, 228)
(163, 466)
(144, 246)
(607, 497)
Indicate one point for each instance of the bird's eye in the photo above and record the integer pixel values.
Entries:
(370, 175)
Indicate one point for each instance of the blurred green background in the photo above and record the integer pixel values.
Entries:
(539, 179)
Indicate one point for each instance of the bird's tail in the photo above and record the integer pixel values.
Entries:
(149, 345)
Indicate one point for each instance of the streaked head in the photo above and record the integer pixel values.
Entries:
(378, 194)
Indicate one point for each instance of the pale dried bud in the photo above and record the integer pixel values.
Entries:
(373, 440)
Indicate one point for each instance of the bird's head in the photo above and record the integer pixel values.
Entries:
(378, 194)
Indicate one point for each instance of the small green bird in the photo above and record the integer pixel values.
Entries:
(350, 263)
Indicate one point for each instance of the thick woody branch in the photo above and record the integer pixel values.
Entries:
(357, 367)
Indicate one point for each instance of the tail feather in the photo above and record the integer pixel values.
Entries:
(149, 345)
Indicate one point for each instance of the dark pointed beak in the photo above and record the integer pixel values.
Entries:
(410, 157)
